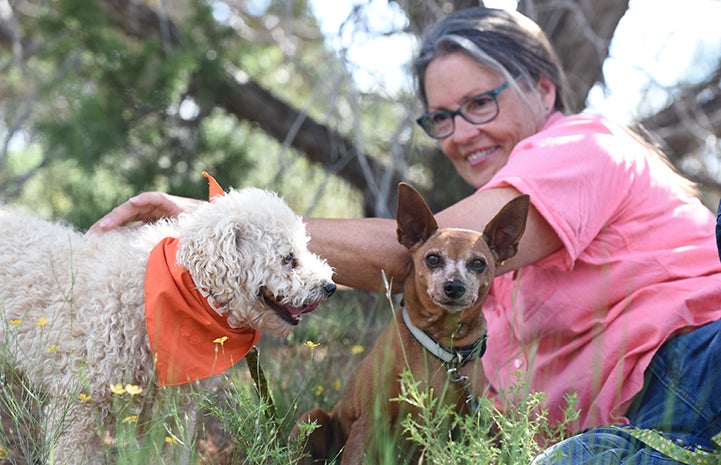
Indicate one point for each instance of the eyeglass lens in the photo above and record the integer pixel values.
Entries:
(479, 109)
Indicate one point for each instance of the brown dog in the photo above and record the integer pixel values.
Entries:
(440, 328)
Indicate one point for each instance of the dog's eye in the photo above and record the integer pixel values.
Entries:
(289, 260)
(433, 260)
(477, 264)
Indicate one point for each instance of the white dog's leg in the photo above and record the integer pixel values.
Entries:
(71, 430)
(191, 420)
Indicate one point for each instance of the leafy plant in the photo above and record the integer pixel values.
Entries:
(304, 370)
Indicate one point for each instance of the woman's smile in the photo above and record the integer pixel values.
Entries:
(480, 156)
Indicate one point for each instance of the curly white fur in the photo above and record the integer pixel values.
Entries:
(72, 308)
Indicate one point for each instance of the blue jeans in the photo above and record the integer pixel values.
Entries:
(681, 398)
(718, 230)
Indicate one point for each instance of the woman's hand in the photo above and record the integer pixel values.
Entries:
(146, 207)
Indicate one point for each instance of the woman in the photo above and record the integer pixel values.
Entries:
(616, 286)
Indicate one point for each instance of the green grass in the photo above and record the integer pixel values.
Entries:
(306, 369)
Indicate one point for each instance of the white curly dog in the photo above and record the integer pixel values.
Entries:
(75, 324)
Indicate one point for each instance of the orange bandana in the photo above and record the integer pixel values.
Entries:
(188, 338)
(214, 189)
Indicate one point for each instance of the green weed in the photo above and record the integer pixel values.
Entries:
(307, 369)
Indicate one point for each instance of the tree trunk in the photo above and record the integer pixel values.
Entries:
(581, 32)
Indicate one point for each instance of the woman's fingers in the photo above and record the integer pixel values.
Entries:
(146, 207)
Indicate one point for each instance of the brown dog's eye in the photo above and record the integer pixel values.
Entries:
(433, 260)
(478, 264)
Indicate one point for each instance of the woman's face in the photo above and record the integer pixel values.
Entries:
(480, 151)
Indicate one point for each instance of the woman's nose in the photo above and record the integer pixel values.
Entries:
(463, 129)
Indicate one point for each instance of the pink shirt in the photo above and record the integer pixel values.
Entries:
(638, 265)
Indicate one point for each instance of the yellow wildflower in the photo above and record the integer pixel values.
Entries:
(337, 385)
(117, 389)
(3, 452)
(53, 348)
(133, 389)
(357, 349)
(311, 344)
(220, 340)
(130, 419)
(319, 390)
(84, 397)
(42, 321)
(171, 439)
(15, 322)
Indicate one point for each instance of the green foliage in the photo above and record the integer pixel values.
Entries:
(98, 112)
(512, 435)
(306, 369)
(19, 407)
(257, 438)
(112, 115)
(107, 108)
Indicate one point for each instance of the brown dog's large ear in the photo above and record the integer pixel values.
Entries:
(415, 220)
(504, 231)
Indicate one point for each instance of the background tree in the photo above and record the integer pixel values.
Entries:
(101, 100)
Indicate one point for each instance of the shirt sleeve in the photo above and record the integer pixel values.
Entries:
(577, 177)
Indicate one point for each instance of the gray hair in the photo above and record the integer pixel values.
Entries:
(503, 41)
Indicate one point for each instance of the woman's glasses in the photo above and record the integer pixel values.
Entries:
(478, 109)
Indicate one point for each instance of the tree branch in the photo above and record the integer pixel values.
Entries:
(581, 32)
(690, 125)
(249, 101)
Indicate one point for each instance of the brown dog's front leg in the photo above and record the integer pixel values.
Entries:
(320, 445)
(357, 443)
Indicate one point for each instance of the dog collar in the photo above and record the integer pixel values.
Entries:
(457, 355)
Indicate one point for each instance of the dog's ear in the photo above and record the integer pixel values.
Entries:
(504, 231)
(415, 220)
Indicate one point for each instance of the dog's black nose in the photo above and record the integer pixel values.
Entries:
(454, 289)
(329, 289)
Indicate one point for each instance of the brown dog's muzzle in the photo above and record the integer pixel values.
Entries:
(454, 289)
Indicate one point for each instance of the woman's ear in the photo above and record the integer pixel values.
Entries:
(547, 91)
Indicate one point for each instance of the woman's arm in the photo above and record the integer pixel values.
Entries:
(358, 249)
(475, 211)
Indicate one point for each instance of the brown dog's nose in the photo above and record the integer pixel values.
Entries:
(329, 289)
(454, 289)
